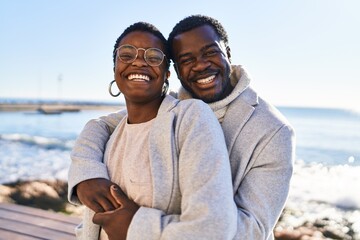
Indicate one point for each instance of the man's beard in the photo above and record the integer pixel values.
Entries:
(225, 85)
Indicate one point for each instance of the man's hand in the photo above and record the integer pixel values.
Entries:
(116, 222)
(95, 194)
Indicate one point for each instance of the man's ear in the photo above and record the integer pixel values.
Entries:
(168, 74)
(228, 53)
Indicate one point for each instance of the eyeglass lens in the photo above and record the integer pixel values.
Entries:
(152, 56)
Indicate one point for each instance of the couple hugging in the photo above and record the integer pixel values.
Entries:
(211, 161)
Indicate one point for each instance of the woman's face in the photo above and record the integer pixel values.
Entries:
(138, 81)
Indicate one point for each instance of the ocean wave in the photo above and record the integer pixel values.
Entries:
(332, 185)
(39, 141)
(329, 156)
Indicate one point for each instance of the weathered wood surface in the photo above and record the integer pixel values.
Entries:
(21, 222)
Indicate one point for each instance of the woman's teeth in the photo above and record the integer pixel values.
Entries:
(138, 77)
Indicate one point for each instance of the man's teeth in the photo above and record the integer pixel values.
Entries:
(206, 80)
(138, 77)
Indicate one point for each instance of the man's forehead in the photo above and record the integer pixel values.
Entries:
(196, 39)
(204, 32)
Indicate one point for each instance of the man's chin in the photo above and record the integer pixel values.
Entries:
(204, 96)
(208, 98)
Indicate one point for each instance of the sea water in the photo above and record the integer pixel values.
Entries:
(327, 166)
(37, 146)
(326, 176)
(326, 179)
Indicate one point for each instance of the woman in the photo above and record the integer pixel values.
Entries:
(168, 156)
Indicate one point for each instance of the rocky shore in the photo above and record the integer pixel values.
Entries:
(52, 196)
(47, 195)
(327, 227)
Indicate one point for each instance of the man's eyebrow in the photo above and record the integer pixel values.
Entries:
(184, 55)
(208, 46)
(203, 49)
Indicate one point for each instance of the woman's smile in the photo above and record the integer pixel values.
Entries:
(139, 77)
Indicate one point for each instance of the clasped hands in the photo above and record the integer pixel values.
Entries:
(113, 209)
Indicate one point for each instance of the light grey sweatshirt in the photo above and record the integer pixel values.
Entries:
(192, 190)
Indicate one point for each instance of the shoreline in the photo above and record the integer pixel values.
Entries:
(61, 107)
(51, 195)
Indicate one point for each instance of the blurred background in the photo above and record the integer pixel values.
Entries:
(302, 56)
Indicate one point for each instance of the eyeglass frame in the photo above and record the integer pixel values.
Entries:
(137, 53)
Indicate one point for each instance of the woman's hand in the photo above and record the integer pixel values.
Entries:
(116, 222)
(95, 194)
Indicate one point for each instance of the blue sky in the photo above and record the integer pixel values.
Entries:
(298, 53)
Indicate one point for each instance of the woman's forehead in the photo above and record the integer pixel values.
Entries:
(142, 39)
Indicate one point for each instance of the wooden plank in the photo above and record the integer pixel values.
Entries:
(4, 234)
(27, 229)
(41, 221)
(20, 222)
(39, 212)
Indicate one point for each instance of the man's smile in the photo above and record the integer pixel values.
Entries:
(206, 80)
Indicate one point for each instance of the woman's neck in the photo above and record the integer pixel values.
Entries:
(142, 112)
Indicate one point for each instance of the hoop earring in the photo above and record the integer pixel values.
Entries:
(114, 95)
(165, 88)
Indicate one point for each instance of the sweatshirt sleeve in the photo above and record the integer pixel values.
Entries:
(87, 153)
(264, 189)
(207, 207)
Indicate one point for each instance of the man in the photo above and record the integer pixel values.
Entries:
(260, 141)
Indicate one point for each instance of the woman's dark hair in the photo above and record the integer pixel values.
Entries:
(143, 27)
(195, 21)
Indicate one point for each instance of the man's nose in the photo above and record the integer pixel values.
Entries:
(201, 64)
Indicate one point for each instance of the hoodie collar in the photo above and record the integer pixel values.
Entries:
(238, 78)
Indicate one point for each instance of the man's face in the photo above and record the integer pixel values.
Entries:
(202, 63)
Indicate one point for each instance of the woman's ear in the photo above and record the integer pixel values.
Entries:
(168, 74)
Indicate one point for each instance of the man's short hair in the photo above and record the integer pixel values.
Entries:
(195, 21)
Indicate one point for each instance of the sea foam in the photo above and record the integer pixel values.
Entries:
(334, 185)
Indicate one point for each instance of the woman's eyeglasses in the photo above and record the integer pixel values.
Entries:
(128, 53)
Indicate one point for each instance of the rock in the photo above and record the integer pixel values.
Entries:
(311, 229)
(300, 233)
(48, 195)
(5, 191)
